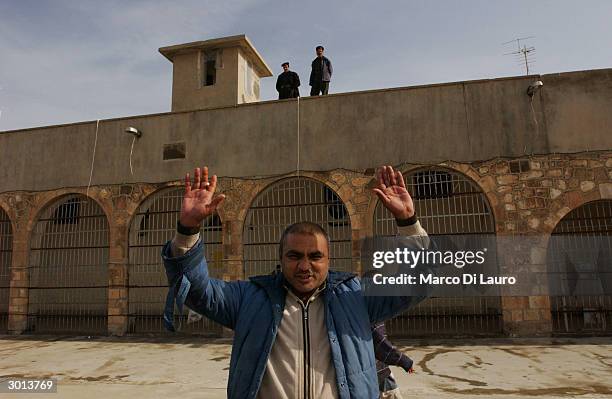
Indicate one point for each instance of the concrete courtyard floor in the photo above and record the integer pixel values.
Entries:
(192, 367)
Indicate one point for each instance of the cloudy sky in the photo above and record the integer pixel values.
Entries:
(69, 61)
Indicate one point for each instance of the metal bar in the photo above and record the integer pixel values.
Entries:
(6, 252)
(448, 204)
(153, 225)
(289, 201)
(68, 268)
(584, 227)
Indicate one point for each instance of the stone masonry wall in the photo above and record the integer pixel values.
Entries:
(528, 196)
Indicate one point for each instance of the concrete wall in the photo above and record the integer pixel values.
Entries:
(188, 91)
(578, 109)
(245, 94)
(463, 122)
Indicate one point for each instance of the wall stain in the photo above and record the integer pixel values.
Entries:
(470, 364)
(478, 360)
(17, 349)
(99, 378)
(31, 376)
(118, 378)
(602, 359)
(110, 362)
(430, 356)
(220, 353)
(563, 391)
(519, 353)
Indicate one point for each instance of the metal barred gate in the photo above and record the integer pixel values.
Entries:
(289, 201)
(153, 225)
(446, 203)
(68, 268)
(6, 251)
(580, 254)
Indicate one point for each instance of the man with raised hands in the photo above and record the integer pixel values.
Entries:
(304, 332)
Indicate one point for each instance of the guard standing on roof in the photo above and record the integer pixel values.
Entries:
(287, 83)
(321, 73)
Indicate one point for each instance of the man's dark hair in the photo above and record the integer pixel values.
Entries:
(301, 228)
(285, 63)
(320, 47)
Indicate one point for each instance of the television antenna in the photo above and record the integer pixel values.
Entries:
(524, 55)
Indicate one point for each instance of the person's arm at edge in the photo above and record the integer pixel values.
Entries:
(312, 67)
(391, 190)
(216, 299)
(381, 307)
(297, 79)
(186, 265)
(181, 243)
(386, 352)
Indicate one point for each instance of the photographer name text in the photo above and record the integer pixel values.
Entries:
(431, 279)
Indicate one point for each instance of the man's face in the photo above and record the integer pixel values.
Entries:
(319, 52)
(305, 261)
(285, 67)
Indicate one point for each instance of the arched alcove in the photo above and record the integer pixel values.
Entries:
(289, 201)
(447, 203)
(152, 226)
(6, 255)
(579, 264)
(68, 268)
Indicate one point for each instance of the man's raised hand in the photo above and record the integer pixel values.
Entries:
(199, 201)
(391, 190)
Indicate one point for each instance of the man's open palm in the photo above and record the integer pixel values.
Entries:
(391, 190)
(199, 201)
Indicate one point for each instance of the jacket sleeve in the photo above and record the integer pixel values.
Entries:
(385, 352)
(312, 68)
(297, 80)
(329, 67)
(278, 84)
(190, 284)
(381, 308)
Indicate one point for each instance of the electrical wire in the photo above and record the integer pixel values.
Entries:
(534, 115)
(298, 137)
(93, 157)
(131, 152)
(535, 120)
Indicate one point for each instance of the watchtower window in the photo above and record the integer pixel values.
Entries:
(210, 68)
(248, 77)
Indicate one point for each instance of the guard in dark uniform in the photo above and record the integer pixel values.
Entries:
(287, 83)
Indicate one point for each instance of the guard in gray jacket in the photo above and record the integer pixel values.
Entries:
(320, 74)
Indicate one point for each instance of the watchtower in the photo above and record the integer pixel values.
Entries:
(215, 73)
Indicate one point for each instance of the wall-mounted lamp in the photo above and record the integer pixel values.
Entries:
(134, 131)
(534, 87)
(137, 134)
